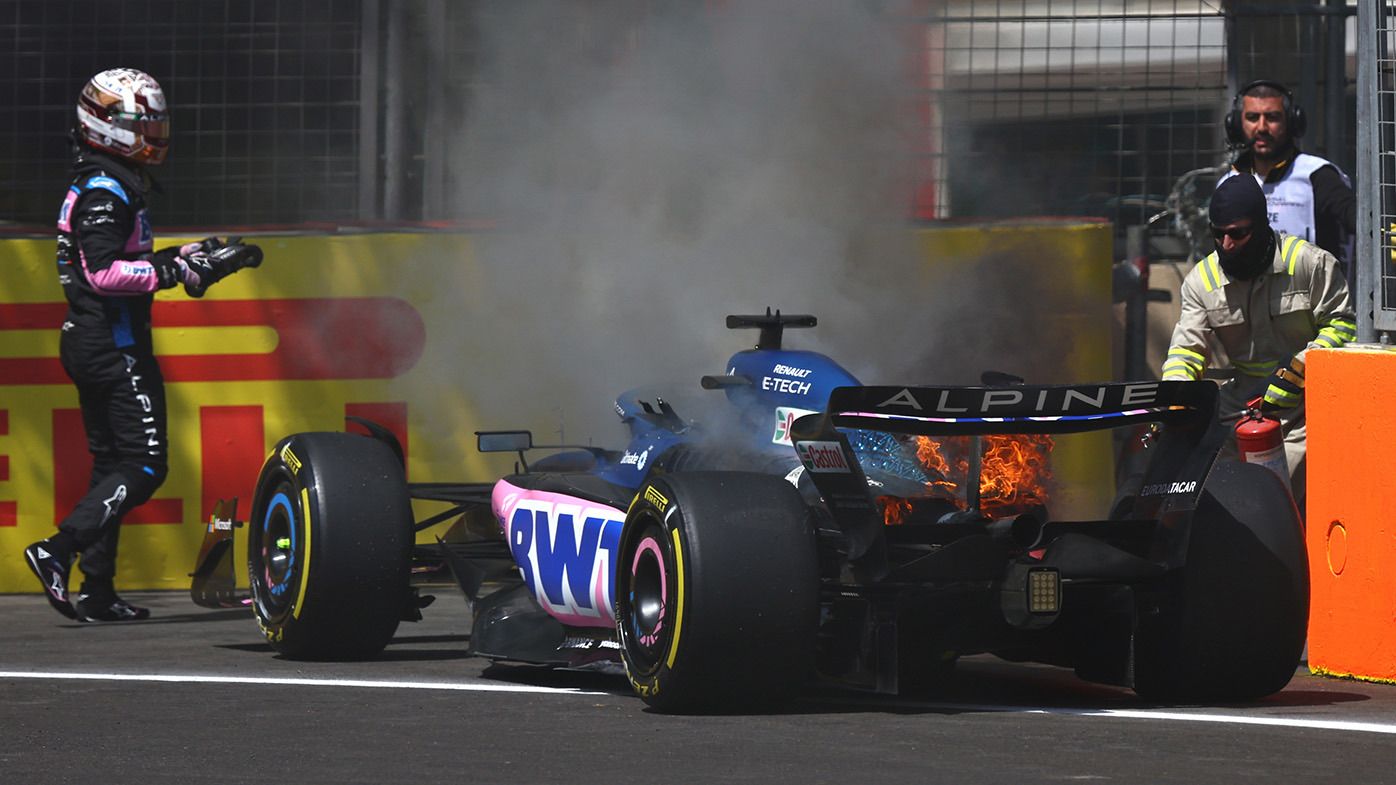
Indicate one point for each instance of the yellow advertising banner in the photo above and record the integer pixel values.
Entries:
(328, 326)
(347, 325)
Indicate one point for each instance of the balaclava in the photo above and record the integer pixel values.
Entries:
(1237, 198)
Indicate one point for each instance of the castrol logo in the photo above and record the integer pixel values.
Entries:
(823, 457)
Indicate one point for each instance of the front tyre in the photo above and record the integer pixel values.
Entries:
(329, 546)
(717, 591)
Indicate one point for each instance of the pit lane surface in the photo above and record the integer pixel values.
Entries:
(194, 696)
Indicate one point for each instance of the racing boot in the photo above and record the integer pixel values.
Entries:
(98, 602)
(51, 564)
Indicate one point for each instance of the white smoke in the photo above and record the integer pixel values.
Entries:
(653, 167)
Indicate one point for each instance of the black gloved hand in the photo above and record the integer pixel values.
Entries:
(206, 245)
(169, 267)
(172, 264)
(203, 272)
(246, 255)
(1285, 389)
(214, 266)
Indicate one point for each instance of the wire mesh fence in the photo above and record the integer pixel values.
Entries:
(264, 99)
(1070, 107)
(337, 111)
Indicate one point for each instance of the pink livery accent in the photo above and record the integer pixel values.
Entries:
(123, 276)
(649, 548)
(566, 550)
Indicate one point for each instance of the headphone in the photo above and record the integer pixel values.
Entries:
(1295, 120)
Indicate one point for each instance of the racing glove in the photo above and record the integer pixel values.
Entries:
(1286, 386)
(169, 267)
(213, 266)
(172, 264)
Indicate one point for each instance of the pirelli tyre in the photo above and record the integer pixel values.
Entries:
(1231, 625)
(717, 592)
(329, 545)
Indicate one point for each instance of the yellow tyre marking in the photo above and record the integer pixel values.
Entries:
(305, 555)
(678, 614)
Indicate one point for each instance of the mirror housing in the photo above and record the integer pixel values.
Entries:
(503, 441)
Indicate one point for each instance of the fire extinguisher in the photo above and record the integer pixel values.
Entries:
(1260, 440)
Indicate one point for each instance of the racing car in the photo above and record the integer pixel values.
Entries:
(802, 536)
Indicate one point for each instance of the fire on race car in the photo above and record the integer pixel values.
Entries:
(862, 535)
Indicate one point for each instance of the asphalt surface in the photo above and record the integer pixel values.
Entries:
(195, 696)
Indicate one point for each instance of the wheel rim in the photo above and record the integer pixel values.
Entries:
(276, 551)
(647, 626)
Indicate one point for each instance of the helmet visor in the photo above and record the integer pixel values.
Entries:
(155, 127)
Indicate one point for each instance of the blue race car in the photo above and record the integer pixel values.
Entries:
(814, 530)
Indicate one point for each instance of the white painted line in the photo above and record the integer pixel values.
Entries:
(198, 679)
(1178, 716)
(1287, 722)
(1137, 714)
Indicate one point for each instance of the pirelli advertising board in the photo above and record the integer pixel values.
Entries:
(294, 345)
(361, 324)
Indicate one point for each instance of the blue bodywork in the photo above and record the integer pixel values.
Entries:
(767, 388)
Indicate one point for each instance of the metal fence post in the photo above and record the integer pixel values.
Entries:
(394, 122)
(1335, 85)
(1369, 263)
(368, 113)
(438, 103)
(1137, 305)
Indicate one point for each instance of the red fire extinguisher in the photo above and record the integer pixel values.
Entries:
(1260, 440)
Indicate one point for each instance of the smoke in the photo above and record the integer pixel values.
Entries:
(652, 167)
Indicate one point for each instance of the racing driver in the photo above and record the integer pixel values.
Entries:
(109, 276)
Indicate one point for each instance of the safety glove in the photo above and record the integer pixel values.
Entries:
(172, 264)
(1285, 388)
(206, 245)
(210, 267)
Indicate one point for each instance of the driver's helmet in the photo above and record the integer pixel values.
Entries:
(122, 111)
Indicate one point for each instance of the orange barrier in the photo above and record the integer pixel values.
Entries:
(1351, 532)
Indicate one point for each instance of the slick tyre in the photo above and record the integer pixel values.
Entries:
(329, 545)
(1232, 623)
(717, 592)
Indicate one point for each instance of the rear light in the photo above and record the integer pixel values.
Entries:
(1030, 596)
(1044, 590)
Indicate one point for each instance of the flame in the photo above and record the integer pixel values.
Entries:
(1014, 470)
(1013, 473)
(928, 452)
(895, 509)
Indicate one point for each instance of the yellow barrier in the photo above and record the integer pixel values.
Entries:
(1037, 303)
(357, 324)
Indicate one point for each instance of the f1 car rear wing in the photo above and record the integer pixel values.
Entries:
(1181, 452)
(932, 411)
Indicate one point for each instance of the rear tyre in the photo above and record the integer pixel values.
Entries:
(1233, 622)
(329, 546)
(717, 592)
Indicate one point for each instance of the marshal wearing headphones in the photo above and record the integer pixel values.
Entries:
(1294, 119)
(1306, 196)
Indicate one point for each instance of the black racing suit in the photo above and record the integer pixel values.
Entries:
(109, 278)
